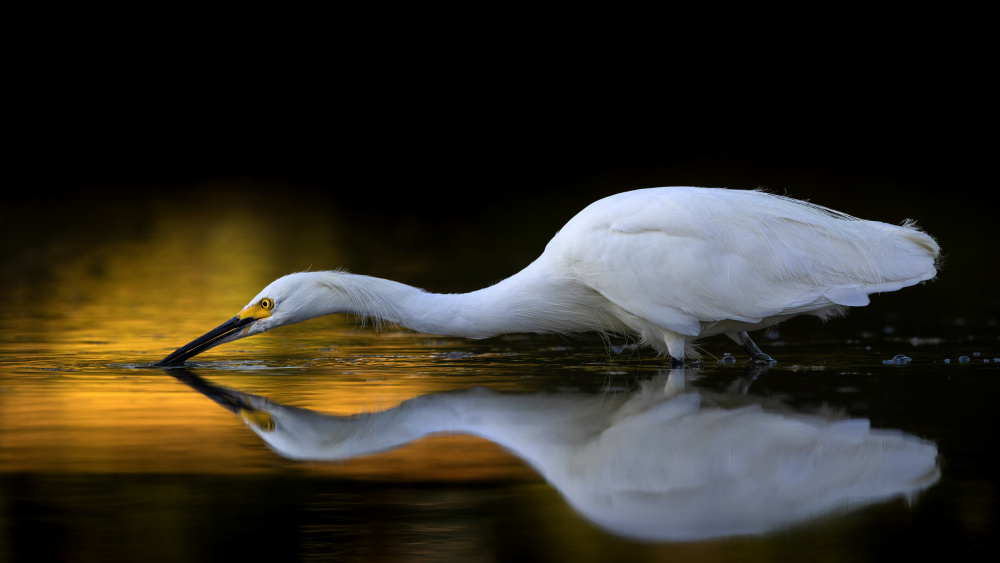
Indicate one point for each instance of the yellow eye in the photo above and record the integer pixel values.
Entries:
(266, 303)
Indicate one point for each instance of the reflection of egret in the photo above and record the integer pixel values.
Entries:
(657, 464)
(666, 264)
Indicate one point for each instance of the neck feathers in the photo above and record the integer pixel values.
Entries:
(525, 302)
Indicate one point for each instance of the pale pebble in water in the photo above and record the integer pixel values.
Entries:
(898, 359)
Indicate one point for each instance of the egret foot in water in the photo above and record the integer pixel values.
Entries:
(757, 356)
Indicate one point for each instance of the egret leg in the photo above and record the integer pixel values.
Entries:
(756, 355)
(675, 348)
(675, 382)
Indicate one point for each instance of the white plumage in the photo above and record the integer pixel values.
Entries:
(669, 265)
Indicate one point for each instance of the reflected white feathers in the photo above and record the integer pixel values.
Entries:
(661, 464)
(668, 265)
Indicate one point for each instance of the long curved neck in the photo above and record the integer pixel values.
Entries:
(529, 301)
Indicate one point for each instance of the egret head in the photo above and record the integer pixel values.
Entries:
(290, 299)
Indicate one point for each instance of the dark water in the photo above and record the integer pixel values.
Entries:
(106, 458)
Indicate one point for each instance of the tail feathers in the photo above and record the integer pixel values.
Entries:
(914, 256)
(906, 256)
(921, 238)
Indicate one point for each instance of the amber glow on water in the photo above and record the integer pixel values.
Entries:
(76, 395)
(68, 423)
(82, 409)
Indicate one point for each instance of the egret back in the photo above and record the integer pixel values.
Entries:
(685, 257)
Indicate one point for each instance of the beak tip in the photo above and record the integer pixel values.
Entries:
(174, 359)
(222, 333)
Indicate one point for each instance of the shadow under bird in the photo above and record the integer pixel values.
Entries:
(663, 463)
(666, 265)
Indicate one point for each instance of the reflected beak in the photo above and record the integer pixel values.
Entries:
(231, 400)
(226, 332)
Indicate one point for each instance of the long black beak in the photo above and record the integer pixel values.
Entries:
(216, 336)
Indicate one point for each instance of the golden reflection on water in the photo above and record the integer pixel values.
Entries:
(93, 310)
(91, 303)
(118, 422)
(152, 424)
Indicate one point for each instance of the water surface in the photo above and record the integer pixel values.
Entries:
(105, 457)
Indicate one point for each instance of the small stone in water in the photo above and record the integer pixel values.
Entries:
(898, 359)
(727, 359)
(963, 359)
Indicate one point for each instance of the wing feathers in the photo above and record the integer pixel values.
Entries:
(677, 256)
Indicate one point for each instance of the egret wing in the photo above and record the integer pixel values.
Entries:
(681, 256)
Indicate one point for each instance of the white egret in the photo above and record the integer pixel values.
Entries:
(668, 265)
(659, 464)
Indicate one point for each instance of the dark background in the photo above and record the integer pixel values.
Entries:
(509, 142)
(464, 151)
